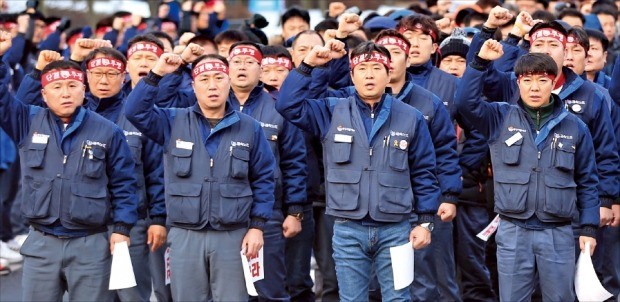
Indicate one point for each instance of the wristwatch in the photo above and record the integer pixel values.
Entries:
(429, 226)
(299, 216)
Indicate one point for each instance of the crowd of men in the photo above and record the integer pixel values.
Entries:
(178, 133)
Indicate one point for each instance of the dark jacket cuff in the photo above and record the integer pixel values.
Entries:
(486, 33)
(513, 39)
(449, 198)
(305, 69)
(152, 78)
(617, 201)
(294, 209)
(122, 228)
(606, 202)
(257, 223)
(588, 231)
(424, 218)
(35, 74)
(480, 64)
(158, 220)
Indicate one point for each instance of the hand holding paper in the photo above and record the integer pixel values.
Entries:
(253, 270)
(121, 275)
(402, 265)
(587, 285)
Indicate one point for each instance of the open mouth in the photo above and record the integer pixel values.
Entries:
(143, 74)
(370, 86)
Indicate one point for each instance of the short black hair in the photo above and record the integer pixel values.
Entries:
(163, 35)
(571, 12)
(535, 63)
(106, 51)
(581, 35)
(276, 51)
(605, 9)
(210, 56)
(326, 24)
(427, 22)
(202, 40)
(145, 38)
(60, 65)
(249, 43)
(600, 36)
(231, 35)
(307, 32)
(295, 11)
(543, 15)
(367, 48)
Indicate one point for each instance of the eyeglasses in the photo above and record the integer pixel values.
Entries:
(110, 75)
(248, 62)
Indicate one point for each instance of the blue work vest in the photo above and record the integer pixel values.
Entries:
(365, 177)
(72, 187)
(534, 174)
(202, 190)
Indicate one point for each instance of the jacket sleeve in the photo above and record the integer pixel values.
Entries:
(605, 147)
(262, 181)
(614, 88)
(16, 52)
(511, 53)
(339, 75)
(422, 166)
(444, 140)
(14, 115)
(311, 115)
(52, 42)
(122, 184)
(153, 122)
(293, 167)
(483, 116)
(29, 90)
(587, 180)
(112, 36)
(128, 35)
(170, 94)
(153, 169)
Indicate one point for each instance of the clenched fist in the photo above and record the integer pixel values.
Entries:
(46, 57)
(491, 50)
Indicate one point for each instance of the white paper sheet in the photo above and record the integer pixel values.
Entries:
(253, 270)
(587, 285)
(402, 265)
(490, 229)
(121, 275)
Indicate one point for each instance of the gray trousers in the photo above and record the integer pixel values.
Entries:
(203, 262)
(80, 266)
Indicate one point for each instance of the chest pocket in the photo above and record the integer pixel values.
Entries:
(239, 163)
(341, 151)
(564, 156)
(135, 145)
(94, 162)
(182, 161)
(35, 155)
(398, 157)
(511, 154)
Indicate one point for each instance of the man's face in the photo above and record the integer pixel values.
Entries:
(370, 80)
(211, 88)
(535, 90)
(63, 97)
(139, 65)
(293, 26)
(105, 82)
(454, 65)
(422, 46)
(597, 57)
(399, 63)
(273, 75)
(303, 46)
(609, 25)
(167, 46)
(244, 72)
(224, 48)
(39, 31)
(572, 21)
(575, 58)
(550, 46)
(527, 5)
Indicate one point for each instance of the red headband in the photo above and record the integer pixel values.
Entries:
(372, 57)
(106, 62)
(208, 67)
(280, 61)
(396, 41)
(62, 74)
(246, 50)
(145, 46)
(74, 38)
(548, 33)
(420, 27)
